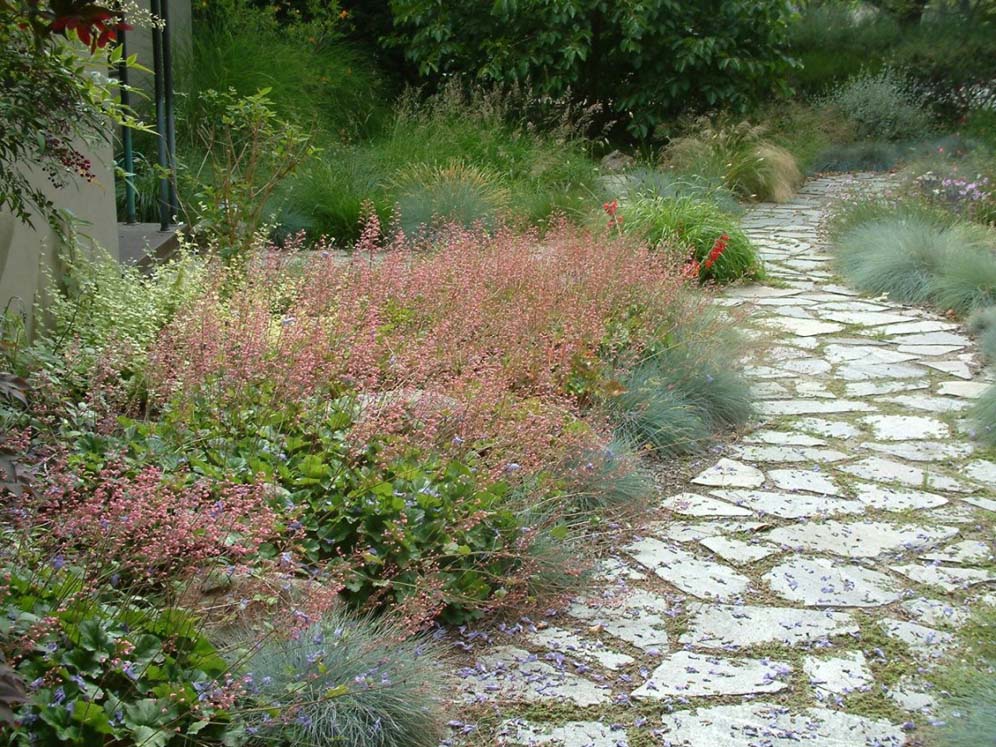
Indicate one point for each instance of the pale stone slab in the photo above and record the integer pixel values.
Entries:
(921, 639)
(805, 366)
(865, 354)
(570, 645)
(811, 406)
(817, 582)
(922, 451)
(768, 725)
(966, 552)
(905, 427)
(570, 734)
(769, 390)
(737, 551)
(731, 627)
(859, 539)
(838, 675)
(694, 675)
(693, 504)
(928, 350)
(784, 438)
(933, 338)
(877, 469)
(949, 579)
(690, 573)
(869, 388)
(510, 673)
(909, 328)
(802, 327)
(954, 368)
(800, 479)
(910, 696)
(934, 612)
(861, 371)
(761, 291)
(614, 569)
(729, 473)
(952, 514)
(865, 318)
(813, 389)
(964, 389)
(638, 618)
(786, 454)
(827, 428)
(699, 531)
(856, 306)
(790, 505)
(891, 499)
(983, 503)
(927, 403)
(982, 471)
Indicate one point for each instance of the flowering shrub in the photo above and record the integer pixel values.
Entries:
(146, 531)
(491, 343)
(403, 399)
(971, 197)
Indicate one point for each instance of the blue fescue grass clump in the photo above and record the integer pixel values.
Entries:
(917, 255)
(349, 681)
(682, 394)
(983, 415)
(608, 479)
(969, 711)
(689, 224)
(983, 324)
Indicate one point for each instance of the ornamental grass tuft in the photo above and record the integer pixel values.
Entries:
(349, 681)
(689, 228)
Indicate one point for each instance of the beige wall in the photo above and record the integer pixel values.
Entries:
(24, 248)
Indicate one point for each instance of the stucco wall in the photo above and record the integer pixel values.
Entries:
(24, 248)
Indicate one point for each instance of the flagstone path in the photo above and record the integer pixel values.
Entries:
(809, 577)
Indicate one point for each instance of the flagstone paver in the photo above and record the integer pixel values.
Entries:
(754, 608)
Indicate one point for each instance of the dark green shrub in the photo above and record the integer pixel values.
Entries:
(952, 59)
(688, 225)
(356, 682)
(638, 55)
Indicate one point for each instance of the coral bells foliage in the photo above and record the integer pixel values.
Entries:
(146, 530)
(500, 338)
